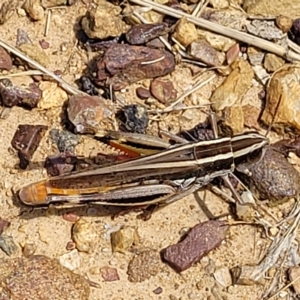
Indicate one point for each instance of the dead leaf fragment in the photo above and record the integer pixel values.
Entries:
(233, 88)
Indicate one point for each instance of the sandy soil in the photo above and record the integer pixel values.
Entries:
(50, 233)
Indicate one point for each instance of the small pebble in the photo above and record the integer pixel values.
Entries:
(284, 23)
(34, 9)
(204, 52)
(94, 271)
(163, 91)
(200, 240)
(3, 224)
(7, 244)
(223, 277)
(52, 95)
(5, 60)
(158, 290)
(109, 274)
(71, 217)
(44, 44)
(70, 260)
(70, 246)
(28, 249)
(134, 117)
(143, 93)
(294, 33)
(143, 266)
(273, 231)
(85, 236)
(123, 239)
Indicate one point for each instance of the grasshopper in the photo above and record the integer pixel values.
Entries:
(158, 178)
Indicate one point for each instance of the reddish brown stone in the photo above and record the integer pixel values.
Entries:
(5, 60)
(87, 112)
(26, 140)
(109, 274)
(44, 44)
(143, 93)
(126, 64)
(163, 91)
(143, 33)
(201, 239)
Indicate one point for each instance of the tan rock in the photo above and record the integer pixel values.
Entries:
(234, 87)
(284, 23)
(283, 99)
(103, 21)
(84, 235)
(273, 62)
(34, 9)
(219, 4)
(185, 32)
(36, 53)
(220, 43)
(123, 239)
(235, 118)
(289, 8)
(203, 51)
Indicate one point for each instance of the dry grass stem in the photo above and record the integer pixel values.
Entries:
(171, 109)
(25, 73)
(284, 288)
(48, 20)
(153, 61)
